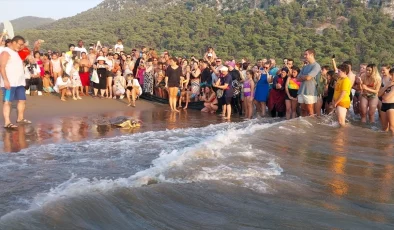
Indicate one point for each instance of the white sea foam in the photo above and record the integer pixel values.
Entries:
(219, 154)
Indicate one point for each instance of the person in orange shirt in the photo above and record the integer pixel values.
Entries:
(342, 93)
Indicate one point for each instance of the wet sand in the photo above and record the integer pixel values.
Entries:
(55, 121)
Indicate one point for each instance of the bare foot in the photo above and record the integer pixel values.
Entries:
(63, 99)
(175, 110)
(185, 108)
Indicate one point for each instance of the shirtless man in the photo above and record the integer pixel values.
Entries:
(84, 73)
(56, 67)
(92, 56)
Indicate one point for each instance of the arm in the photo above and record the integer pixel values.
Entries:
(383, 89)
(196, 73)
(372, 90)
(252, 89)
(4, 57)
(222, 86)
(287, 88)
(389, 96)
(343, 94)
(334, 65)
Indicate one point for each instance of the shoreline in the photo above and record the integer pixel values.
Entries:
(55, 121)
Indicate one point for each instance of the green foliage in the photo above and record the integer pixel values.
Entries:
(349, 30)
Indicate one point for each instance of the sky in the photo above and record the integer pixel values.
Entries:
(56, 9)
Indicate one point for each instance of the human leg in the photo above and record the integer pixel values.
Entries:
(288, 109)
(372, 106)
(363, 109)
(341, 113)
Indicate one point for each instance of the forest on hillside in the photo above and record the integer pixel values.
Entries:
(349, 30)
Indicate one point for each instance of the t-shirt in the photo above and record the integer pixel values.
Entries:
(206, 76)
(309, 87)
(343, 84)
(81, 50)
(174, 76)
(23, 53)
(118, 46)
(31, 69)
(60, 82)
(227, 80)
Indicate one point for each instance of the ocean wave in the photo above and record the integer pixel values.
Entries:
(219, 153)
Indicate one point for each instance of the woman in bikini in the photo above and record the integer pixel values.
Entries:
(386, 79)
(370, 86)
(387, 109)
(210, 100)
(291, 87)
(248, 94)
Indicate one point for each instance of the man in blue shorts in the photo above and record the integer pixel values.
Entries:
(13, 82)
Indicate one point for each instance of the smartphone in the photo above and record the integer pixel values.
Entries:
(333, 56)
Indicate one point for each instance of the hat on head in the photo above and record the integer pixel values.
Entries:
(224, 69)
(101, 58)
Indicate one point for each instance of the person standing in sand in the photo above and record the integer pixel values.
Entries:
(173, 78)
(84, 73)
(13, 82)
(56, 67)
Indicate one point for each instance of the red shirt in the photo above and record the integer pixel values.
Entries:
(23, 53)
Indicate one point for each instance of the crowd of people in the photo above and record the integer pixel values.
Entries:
(226, 87)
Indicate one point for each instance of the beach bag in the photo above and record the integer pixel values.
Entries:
(219, 93)
(95, 77)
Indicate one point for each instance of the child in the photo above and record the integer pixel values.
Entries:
(119, 85)
(62, 86)
(342, 93)
(48, 85)
(76, 81)
(133, 89)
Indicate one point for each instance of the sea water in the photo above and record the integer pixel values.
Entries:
(257, 174)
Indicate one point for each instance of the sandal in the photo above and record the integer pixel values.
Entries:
(10, 126)
(23, 121)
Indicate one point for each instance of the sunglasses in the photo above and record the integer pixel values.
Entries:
(218, 61)
(128, 57)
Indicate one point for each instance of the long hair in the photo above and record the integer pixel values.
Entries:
(375, 76)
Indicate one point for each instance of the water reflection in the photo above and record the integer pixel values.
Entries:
(75, 129)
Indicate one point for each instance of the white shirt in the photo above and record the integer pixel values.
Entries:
(36, 70)
(60, 82)
(14, 69)
(82, 50)
(118, 46)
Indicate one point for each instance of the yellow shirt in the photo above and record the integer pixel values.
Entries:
(343, 84)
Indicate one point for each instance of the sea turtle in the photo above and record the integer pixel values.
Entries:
(125, 122)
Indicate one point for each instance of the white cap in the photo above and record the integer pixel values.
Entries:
(224, 69)
(101, 58)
